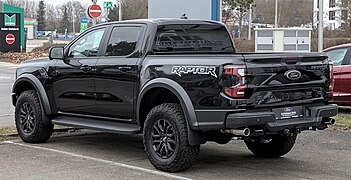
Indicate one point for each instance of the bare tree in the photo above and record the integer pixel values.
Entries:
(242, 6)
(132, 9)
(290, 12)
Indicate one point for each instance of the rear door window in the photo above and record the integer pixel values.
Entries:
(194, 38)
(123, 40)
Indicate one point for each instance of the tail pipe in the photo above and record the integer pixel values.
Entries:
(328, 121)
(239, 132)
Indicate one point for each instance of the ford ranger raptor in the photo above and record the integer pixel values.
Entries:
(179, 83)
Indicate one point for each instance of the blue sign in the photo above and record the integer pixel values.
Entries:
(238, 32)
(84, 20)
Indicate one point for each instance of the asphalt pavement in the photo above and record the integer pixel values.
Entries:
(7, 77)
(89, 155)
(85, 155)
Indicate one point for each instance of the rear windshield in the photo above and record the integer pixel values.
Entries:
(212, 38)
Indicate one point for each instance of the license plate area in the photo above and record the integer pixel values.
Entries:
(288, 112)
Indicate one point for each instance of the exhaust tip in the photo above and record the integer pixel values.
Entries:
(239, 132)
(329, 121)
(246, 132)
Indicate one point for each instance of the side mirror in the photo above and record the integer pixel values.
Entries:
(56, 53)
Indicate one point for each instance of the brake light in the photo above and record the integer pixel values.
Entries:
(331, 75)
(235, 81)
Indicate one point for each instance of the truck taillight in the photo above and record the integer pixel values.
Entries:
(331, 75)
(235, 81)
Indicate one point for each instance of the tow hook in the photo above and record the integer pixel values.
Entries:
(288, 132)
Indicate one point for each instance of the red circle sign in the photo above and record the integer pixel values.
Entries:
(10, 39)
(94, 11)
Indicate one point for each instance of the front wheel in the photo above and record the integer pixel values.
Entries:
(166, 139)
(271, 147)
(29, 119)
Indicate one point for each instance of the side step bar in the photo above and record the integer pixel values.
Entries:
(99, 125)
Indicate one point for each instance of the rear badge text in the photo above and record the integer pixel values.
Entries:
(203, 70)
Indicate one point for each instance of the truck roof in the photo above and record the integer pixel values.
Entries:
(163, 21)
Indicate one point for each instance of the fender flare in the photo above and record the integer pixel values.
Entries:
(194, 136)
(38, 87)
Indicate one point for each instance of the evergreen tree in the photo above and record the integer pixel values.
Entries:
(65, 22)
(41, 16)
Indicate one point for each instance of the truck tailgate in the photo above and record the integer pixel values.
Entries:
(281, 79)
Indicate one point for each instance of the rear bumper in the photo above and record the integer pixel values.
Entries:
(266, 120)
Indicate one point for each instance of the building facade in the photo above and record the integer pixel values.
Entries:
(335, 13)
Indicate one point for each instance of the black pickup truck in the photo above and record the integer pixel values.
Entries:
(177, 82)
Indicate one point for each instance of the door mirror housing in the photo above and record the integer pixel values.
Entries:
(56, 53)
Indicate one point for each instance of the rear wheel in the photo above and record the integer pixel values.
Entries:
(272, 147)
(29, 119)
(166, 139)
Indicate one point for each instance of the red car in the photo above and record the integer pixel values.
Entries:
(341, 57)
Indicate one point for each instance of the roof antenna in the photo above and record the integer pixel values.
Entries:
(183, 16)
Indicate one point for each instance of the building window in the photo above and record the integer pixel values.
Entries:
(318, 4)
(331, 3)
(344, 14)
(331, 15)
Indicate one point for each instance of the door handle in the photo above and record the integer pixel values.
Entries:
(85, 68)
(125, 68)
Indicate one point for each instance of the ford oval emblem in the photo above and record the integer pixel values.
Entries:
(287, 109)
(292, 75)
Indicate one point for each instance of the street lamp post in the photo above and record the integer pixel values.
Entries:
(250, 19)
(73, 20)
(320, 27)
(276, 14)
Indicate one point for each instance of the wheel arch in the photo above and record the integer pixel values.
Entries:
(194, 136)
(30, 82)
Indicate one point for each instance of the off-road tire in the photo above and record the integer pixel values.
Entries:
(277, 146)
(184, 155)
(41, 132)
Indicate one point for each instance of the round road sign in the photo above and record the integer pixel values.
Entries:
(10, 39)
(94, 11)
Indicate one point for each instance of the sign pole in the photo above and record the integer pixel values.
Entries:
(120, 10)
(94, 11)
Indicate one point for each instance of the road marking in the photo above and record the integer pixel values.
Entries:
(10, 65)
(3, 77)
(168, 175)
(6, 115)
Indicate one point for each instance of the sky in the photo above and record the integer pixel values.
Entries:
(87, 2)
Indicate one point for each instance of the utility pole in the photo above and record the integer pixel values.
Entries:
(320, 27)
(119, 10)
(276, 14)
(250, 20)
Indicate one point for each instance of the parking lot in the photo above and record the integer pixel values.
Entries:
(90, 155)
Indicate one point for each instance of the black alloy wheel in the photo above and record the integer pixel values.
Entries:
(27, 117)
(163, 138)
(32, 124)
